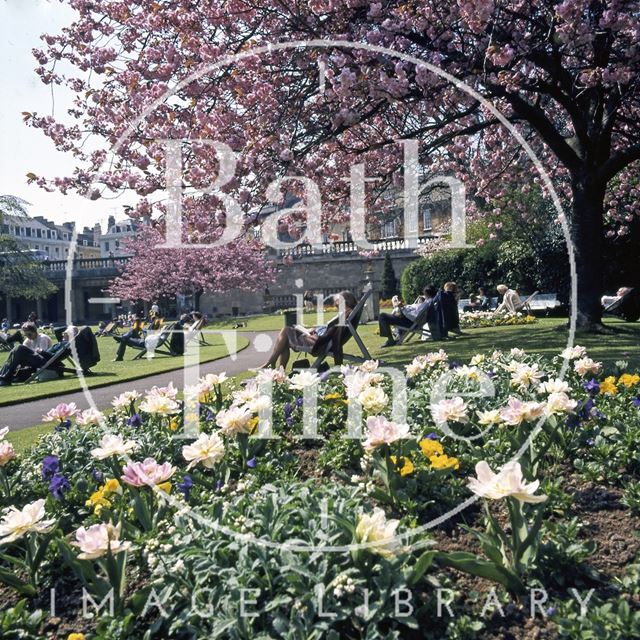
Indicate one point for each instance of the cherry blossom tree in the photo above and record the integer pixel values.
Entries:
(565, 74)
(155, 273)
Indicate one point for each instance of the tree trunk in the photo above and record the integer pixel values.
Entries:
(588, 239)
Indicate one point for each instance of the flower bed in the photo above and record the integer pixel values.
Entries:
(313, 506)
(476, 319)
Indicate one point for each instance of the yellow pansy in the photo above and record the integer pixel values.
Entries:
(75, 636)
(608, 386)
(97, 500)
(173, 425)
(333, 396)
(444, 462)
(431, 447)
(111, 486)
(628, 379)
(407, 466)
(165, 486)
(253, 423)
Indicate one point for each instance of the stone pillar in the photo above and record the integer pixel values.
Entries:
(9, 318)
(370, 283)
(39, 308)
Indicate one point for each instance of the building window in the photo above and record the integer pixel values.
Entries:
(106, 246)
(388, 229)
(426, 219)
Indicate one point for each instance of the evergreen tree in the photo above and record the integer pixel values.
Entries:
(388, 284)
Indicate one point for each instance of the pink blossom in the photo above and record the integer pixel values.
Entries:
(148, 472)
(61, 412)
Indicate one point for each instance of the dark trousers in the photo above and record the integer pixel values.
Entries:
(22, 356)
(126, 340)
(385, 320)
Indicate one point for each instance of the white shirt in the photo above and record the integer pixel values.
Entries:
(41, 343)
(511, 302)
(609, 300)
(412, 311)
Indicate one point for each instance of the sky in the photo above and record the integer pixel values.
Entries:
(24, 149)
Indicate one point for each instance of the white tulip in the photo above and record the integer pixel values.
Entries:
(374, 529)
(17, 523)
(507, 482)
(113, 445)
(206, 450)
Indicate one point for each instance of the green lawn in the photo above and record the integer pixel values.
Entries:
(107, 372)
(548, 336)
(24, 438)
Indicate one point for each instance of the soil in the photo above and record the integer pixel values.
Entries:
(605, 521)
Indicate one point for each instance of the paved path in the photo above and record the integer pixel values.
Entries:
(28, 414)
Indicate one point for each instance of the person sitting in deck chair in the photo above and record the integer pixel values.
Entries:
(607, 301)
(409, 313)
(32, 354)
(133, 337)
(511, 301)
(136, 339)
(299, 338)
(447, 301)
(625, 304)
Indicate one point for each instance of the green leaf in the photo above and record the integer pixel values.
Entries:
(476, 566)
(13, 581)
(424, 562)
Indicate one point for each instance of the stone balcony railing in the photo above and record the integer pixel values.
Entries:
(98, 265)
(348, 247)
(343, 247)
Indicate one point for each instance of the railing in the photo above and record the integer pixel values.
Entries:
(85, 264)
(342, 247)
(347, 247)
(289, 301)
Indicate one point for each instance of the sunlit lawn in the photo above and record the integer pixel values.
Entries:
(107, 372)
(548, 336)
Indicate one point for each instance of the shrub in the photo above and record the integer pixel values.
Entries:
(469, 268)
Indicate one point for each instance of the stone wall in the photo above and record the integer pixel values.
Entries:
(321, 274)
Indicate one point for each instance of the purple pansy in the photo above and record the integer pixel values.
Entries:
(65, 424)
(592, 386)
(186, 485)
(58, 486)
(50, 466)
(135, 420)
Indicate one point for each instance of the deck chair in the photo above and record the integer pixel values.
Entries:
(323, 349)
(526, 303)
(417, 328)
(162, 336)
(86, 350)
(626, 307)
(196, 330)
(110, 329)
